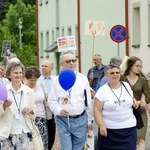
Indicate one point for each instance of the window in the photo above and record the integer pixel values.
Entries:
(41, 2)
(136, 25)
(69, 30)
(63, 32)
(41, 45)
(53, 36)
(148, 24)
(76, 38)
(47, 43)
(47, 38)
(46, 1)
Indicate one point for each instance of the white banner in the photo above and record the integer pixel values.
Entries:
(66, 43)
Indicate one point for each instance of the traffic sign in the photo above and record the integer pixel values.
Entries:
(118, 33)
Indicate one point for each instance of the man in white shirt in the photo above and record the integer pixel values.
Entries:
(73, 116)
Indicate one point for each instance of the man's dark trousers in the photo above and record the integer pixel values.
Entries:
(51, 132)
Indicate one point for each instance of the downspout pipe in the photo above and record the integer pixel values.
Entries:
(79, 33)
(37, 35)
(127, 26)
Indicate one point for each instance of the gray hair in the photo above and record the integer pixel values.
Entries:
(115, 60)
(98, 55)
(64, 53)
(110, 66)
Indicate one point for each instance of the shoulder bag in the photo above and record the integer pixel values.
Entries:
(48, 112)
(36, 137)
(136, 112)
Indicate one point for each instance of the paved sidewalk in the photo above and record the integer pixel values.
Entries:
(56, 145)
(148, 132)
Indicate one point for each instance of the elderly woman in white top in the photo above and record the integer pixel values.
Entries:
(113, 113)
(16, 112)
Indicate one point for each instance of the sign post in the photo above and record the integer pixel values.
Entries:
(118, 34)
(94, 27)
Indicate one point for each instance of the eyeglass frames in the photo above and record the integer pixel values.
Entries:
(69, 61)
(112, 73)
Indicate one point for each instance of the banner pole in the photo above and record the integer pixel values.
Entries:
(93, 50)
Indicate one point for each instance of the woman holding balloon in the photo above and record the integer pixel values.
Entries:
(70, 101)
(16, 112)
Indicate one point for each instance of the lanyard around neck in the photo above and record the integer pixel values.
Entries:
(118, 98)
(18, 105)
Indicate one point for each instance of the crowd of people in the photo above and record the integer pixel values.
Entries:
(113, 90)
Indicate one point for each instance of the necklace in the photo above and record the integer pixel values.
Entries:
(118, 98)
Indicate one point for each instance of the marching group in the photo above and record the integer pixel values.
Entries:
(113, 90)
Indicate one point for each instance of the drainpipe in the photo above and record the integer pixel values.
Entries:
(79, 42)
(37, 35)
(127, 26)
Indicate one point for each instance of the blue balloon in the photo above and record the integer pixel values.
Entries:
(3, 92)
(67, 79)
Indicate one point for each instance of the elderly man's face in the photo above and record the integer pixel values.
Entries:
(97, 60)
(47, 67)
(69, 61)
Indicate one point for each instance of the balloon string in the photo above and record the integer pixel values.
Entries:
(69, 91)
(68, 122)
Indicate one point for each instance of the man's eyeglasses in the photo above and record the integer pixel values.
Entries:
(69, 61)
(112, 73)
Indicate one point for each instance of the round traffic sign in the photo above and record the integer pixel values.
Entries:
(118, 33)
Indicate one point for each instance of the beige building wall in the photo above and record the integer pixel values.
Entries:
(139, 31)
(58, 18)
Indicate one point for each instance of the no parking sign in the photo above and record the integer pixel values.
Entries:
(118, 33)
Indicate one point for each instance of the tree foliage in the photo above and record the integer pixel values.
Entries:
(9, 30)
(31, 2)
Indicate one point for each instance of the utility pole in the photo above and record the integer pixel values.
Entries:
(20, 34)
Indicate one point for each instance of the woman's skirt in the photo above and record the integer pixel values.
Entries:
(17, 142)
(118, 139)
(41, 123)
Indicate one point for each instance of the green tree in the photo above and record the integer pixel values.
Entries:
(6, 3)
(31, 2)
(10, 31)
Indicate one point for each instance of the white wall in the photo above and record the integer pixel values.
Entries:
(112, 12)
(143, 51)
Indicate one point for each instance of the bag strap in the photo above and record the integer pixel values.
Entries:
(128, 91)
(126, 88)
(85, 94)
(42, 86)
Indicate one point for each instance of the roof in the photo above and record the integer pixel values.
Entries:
(52, 48)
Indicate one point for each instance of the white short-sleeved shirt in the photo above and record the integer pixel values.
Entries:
(116, 115)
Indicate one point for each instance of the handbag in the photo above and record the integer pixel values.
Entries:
(36, 137)
(89, 145)
(136, 112)
(48, 112)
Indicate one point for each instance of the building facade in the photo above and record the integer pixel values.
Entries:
(139, 31)
(59, 18)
